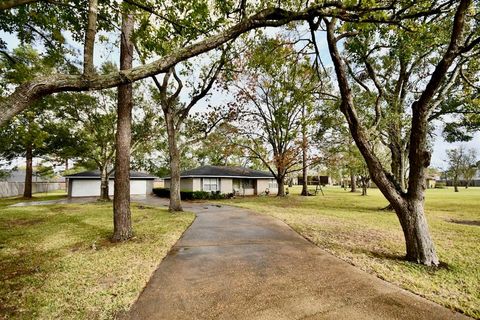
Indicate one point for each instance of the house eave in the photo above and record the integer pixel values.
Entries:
(220, 176)
(111, 178)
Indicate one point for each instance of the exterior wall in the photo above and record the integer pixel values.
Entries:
(190, 184)
(247, 192)
(159, 183)
(431, 183)
(196, 184)
(186, 184)
(263, 184)
(226, 185)
(149, 187)
(91, 188)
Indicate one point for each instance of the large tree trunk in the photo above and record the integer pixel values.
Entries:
(88, 49)
(305, 168)
(397, 162)
(419, 244)
(455, 183)
(175, 200)
(365, 181)
(304, 154)
(66, 180)
(27, 191)
(281, 186)
(122, 220)
(104, 183)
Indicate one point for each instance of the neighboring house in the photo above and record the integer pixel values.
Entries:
(87, 184)
(226, 179)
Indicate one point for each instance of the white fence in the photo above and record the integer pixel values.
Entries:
(11, 189)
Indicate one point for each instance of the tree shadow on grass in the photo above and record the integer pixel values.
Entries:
(401, 258)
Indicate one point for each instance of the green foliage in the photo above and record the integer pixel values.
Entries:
(4, 174)
(45, 171)
(440, 185)
(192, 195)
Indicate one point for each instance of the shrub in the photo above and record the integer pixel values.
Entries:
(161, 192)
(201, 195)
(192, 195)
(440, 185)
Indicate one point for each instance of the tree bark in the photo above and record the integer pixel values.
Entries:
(364, 189)
(304, 160)
(66, 169)
(104, 180)
(27, 192)
(353, 182)
(418, 243)
(122, 220)
(397, 159)
(455, 183)
(88, 49)
(175, 199)
(281, 186)
(9, 4)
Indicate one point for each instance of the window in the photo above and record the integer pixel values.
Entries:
(272, 184)
(210, 184)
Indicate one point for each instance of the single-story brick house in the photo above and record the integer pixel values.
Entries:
(87, 184)
(226, 179)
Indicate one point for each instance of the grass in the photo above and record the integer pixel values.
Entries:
(52, 195)
(354, 229)
(56, 261)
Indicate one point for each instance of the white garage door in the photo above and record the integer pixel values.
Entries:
(138, 187)
(85, 188)
(91, 188)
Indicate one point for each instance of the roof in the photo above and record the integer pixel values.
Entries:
(95, 174)
(225, 172)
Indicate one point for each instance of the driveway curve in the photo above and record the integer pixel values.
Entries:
(235, 264)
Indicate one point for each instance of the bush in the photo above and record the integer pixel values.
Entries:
(161, 192)
(192, 195)
(201, 195)
(440, 185)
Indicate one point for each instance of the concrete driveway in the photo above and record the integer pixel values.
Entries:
(235, 264)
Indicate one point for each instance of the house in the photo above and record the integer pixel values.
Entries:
(87, 184)
(226, 179)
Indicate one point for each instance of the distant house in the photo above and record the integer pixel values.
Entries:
(226, 179)
(87, 184)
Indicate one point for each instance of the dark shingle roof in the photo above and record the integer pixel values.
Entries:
(96, 174)
(225, 171)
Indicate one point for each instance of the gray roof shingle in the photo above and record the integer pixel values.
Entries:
(94, 174)
(225, 171)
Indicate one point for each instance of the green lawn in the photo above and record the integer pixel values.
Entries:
(56, 261)
(353, 228)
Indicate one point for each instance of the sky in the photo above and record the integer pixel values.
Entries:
(105, 53)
